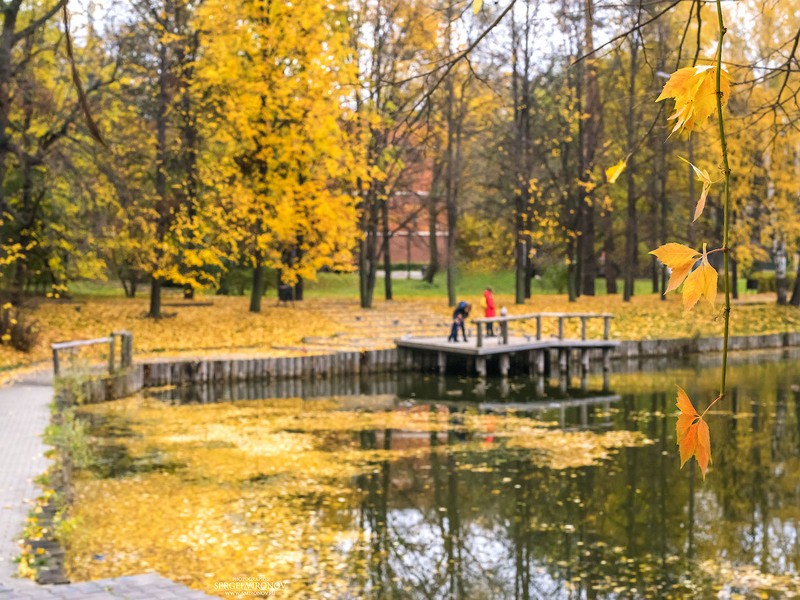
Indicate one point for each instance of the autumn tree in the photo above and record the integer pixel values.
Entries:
(286, 150)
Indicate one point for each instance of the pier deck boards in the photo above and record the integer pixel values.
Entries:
(493, 346)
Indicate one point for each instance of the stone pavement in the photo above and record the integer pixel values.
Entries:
(24, 414)
(136, 587)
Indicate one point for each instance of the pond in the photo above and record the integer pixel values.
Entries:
(424, 487)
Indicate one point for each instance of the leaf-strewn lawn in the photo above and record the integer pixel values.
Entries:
(336, 322)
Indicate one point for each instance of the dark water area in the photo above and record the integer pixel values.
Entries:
(460, 519)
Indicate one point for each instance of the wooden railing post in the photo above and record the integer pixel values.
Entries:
(56, 365)
(480, 333)
(112, 349)
(538, 327)
(504, 330)
(606, 327)
(561, 328)
(583, 328)
(129, 350)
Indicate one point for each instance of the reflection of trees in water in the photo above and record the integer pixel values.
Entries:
(435, 529)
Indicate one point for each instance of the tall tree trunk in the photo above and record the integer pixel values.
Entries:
(162, 109)
(521, 98)
(610, 269)
(795, 300)
(450, 183)
(368, 245)
(590, 133)
(155, 298)
(433, 243)
(7, 40)
(299, 289)
(257, 289)
(387, 255)
(780, 271)
(631, 223)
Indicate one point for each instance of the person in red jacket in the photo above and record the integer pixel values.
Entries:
(488, 309)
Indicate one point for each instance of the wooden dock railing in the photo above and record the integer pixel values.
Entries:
(504, 321)
(125, 350)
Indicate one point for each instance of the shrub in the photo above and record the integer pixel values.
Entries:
(16, 329)
(767, 283)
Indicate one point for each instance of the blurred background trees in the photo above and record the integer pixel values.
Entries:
(250, 144)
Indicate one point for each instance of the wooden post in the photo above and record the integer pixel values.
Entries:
(504, 331)
(56, 365)
(606, 327)
(561, 328)
(480, 333)
(480, 366)
(442, 363)
(538, 327)
(563, 360)
(505, 364)
(606, 360)
(540, 357)
(585, 360)
(583, 328)
(111, 351)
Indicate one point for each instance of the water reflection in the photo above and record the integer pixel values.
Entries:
(494, 524)
(467, 515)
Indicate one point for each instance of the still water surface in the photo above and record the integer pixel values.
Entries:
(463, 509)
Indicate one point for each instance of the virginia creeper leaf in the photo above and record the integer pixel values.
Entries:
(694, 90)
(705, 178)
(701, 283)
(680, 259)
(692, 432)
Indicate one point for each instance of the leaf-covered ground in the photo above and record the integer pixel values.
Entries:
(317, 325)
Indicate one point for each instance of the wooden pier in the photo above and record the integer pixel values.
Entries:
(531, 353)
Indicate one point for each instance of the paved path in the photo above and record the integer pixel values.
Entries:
(24, 414)
(139, 587)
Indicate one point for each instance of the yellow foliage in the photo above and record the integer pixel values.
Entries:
(694, 91)
(613, 172)
(705, 179)
(701, 283)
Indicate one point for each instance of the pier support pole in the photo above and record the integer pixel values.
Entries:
(606, 360)
(584, 361)
(480, 366)
(505, 364)
(563, 361)
(540, 366)
(442, 363)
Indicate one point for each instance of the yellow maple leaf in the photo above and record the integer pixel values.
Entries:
(704, 177)
(613, 173)
(476, 6)
(692, 433)
(679, 259)
(694, 90)
(701, 283)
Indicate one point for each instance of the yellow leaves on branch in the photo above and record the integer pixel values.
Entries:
(692, 431)
(705, 178)
(476, 6)
(694, 90)
(613, 173)
(700, 283)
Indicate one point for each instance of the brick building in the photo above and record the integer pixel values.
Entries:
(409, 219)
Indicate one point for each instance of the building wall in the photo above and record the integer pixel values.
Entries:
(414, 247)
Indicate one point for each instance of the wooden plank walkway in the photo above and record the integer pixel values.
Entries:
(535, 350)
